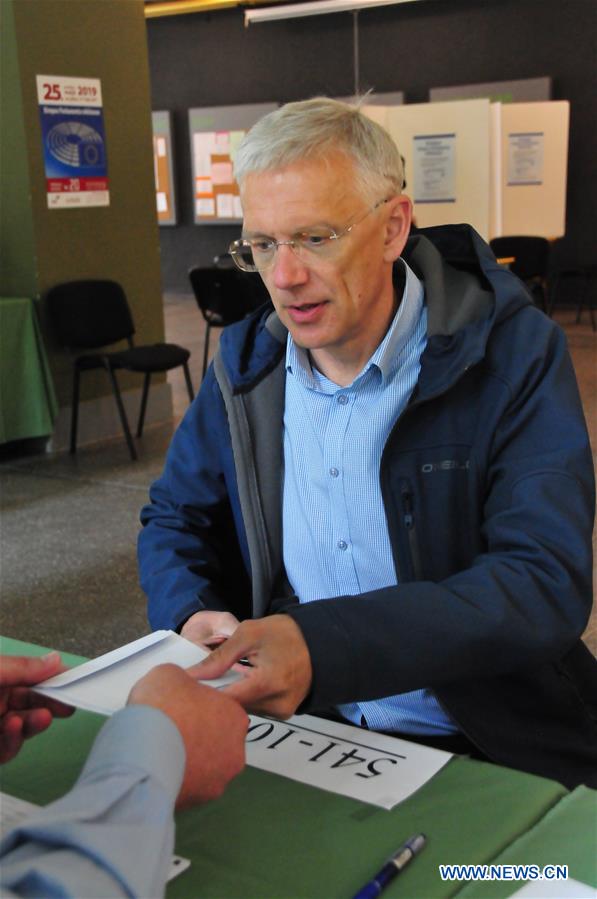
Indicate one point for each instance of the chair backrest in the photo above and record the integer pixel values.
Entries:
(531, 255)
(89, 314)
(224, 296)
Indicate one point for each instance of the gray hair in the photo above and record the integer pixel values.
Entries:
(317, 128)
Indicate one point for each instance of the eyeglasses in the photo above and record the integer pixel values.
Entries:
(256, 254)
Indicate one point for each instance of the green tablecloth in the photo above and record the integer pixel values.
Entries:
(28, 405)
(272, 837)
(566, 835)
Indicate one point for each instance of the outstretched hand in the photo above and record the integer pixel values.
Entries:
(213, 728)
(23, 713)
(209, 629)
(279, 673)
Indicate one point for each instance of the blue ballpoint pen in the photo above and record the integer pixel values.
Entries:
(392, 868)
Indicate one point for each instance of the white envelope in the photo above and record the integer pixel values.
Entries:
(103, 684)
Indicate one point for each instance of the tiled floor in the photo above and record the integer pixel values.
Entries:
(69, 525)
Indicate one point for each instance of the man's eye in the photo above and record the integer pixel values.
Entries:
(261, 246)
(312, 240)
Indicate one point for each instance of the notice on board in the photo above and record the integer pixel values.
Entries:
(216, 192)
(525, 158)
(434, 168)
(73, 141)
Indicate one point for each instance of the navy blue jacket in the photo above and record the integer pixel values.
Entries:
(488, 485)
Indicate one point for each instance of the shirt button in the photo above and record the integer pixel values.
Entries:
(342, 544)
(342, 399)
(334, 472)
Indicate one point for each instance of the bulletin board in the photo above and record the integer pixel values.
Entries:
(446, 148)
(215, 134)
(163, 168)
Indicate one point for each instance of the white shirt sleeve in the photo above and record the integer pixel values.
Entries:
(113, 833)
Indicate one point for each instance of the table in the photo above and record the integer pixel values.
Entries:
(272, 837)
(28, 405)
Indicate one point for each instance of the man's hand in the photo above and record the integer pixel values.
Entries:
(279, 674)
(209, 629)
(213, 728)
(22, 713)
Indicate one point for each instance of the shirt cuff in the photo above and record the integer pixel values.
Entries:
(142, 736)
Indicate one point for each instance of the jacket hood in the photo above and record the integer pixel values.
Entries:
(466, 292)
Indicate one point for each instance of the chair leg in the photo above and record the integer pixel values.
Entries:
(538, 294)
(140, 423)
(74, 415)
(121, 412)
(581, 297)
(552, 294)
(187, 377)
(543, 295)
(205, 350)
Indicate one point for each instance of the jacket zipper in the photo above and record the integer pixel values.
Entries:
(408, 518)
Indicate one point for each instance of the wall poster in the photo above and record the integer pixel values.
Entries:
(215, 135)
(73, 141)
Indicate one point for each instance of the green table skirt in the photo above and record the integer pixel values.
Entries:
(28, 405)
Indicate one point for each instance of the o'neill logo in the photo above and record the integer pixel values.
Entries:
(445, 465)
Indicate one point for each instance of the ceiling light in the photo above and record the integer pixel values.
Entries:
(295, 10)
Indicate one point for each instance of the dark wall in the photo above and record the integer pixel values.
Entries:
(211, 59)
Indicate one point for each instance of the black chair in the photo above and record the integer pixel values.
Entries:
(580, 281)
(531, 262)
(225, 296)
(89, 315)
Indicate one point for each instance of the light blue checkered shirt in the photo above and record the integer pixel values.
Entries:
(336, 540)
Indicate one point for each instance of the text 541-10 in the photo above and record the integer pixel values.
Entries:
(320, 749)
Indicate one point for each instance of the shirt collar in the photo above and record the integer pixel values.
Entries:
(386, 358)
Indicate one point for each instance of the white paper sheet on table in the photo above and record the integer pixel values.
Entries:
(341, 758)
(103, 684)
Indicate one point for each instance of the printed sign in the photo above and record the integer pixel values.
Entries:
(73, 140)
(434, 168)
(525, 158)
(340, 758)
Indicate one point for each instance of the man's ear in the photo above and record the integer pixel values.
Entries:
(397, 227)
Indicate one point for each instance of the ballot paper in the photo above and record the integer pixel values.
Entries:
(343, 759)
(103, 684)
(15, 812)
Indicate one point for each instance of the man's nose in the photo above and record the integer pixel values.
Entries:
(289, 269)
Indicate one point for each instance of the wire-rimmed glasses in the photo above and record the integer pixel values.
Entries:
(255, 254)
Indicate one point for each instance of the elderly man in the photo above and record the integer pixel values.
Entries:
(388, 471)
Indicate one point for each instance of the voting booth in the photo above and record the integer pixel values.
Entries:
(499, 167)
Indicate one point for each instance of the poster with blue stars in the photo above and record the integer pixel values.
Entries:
(73, 141)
